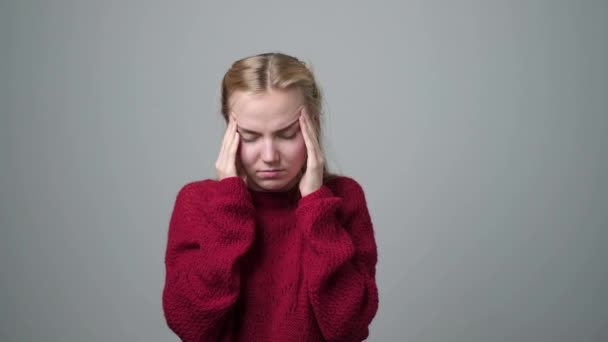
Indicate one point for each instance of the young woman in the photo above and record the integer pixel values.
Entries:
(276, 248)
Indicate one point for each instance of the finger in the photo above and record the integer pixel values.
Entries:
(222, 164)
(228, 137)
(229, 152)
(310, 150)
(314, 140)
(311, 130)
(224, 145)
(227, 132)
(233, 149)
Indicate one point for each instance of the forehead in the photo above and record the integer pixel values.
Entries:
(268, 111)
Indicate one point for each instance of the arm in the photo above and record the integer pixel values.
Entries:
(340, 261)
(211, 227)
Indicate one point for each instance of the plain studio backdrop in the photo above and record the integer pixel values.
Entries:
(478, 130)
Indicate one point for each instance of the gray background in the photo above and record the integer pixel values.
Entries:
(477, 129)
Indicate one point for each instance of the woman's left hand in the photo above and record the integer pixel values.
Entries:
(312, 179)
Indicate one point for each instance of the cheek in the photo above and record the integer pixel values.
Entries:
(247, 155)
(295, 152)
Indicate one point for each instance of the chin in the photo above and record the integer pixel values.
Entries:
(271, 185)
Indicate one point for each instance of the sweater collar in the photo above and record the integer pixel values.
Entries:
(276, 199)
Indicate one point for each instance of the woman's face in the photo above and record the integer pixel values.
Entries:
(272, 150)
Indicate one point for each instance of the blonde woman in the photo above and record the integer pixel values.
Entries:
(276, 248)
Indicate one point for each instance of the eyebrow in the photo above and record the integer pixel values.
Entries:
(248, 131)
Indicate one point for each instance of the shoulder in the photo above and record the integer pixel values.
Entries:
(349, 190)
(209, 189)
(198, 186)
(343, 185)
(196, 190)
(351, 194)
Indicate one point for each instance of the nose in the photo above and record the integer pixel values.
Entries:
(270, 154)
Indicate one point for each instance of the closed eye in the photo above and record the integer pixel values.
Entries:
(249, 139)
(288, 136)
(253, 138)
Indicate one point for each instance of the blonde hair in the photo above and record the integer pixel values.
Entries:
(274, 71)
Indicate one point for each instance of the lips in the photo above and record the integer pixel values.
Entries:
(272, 173)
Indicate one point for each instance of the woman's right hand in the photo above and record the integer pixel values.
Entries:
(226, 164)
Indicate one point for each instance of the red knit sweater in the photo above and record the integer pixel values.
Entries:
(251, 266)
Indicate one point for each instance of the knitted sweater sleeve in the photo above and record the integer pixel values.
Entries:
(340, 261)
(211, 227)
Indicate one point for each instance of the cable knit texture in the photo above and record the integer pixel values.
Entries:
(243, 265)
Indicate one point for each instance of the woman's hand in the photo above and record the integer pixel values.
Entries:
(226, 164)
(312, 179)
